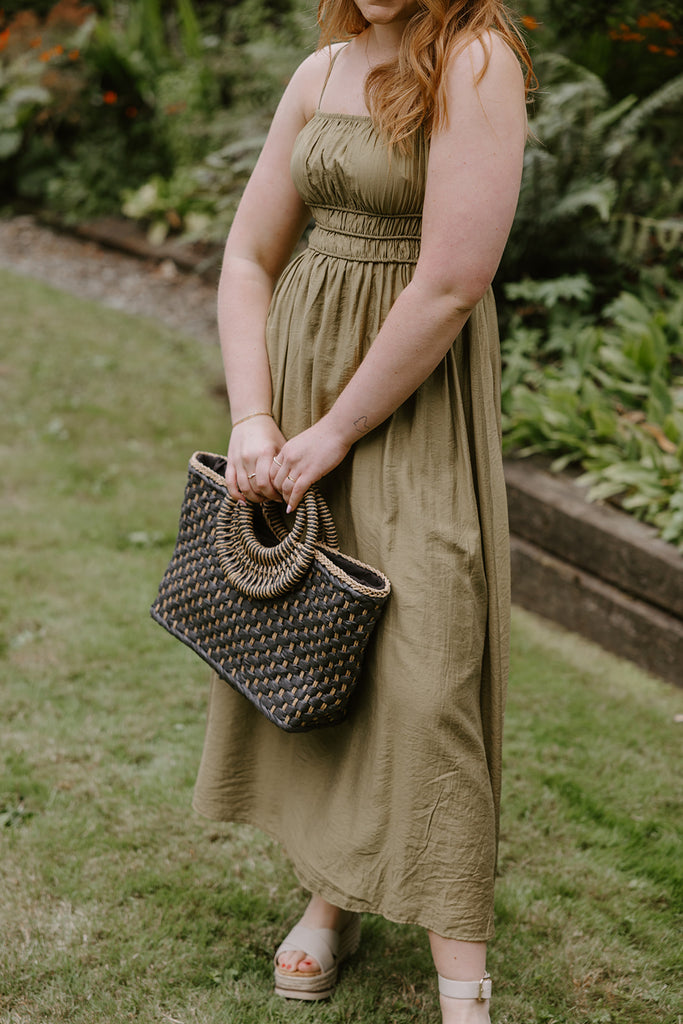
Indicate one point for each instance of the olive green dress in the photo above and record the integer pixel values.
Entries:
(394, 812)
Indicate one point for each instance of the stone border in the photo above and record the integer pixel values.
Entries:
(126, 236)
(595, 570)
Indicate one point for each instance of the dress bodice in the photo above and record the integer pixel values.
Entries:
(366, 201)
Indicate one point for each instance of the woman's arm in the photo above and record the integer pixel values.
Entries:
(475, 167)
(269, 221)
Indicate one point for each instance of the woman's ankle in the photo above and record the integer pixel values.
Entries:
(321, 914)
(465, 987)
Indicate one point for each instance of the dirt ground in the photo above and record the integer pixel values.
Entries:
(160, 291)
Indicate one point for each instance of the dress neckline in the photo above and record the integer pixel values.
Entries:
(341, 116)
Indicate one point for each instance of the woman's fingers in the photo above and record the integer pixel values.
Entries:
(253, 482)
(232, 484)
(250, 451)
(290, 484)
(293, 491)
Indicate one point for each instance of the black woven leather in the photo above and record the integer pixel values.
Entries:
(283, 617)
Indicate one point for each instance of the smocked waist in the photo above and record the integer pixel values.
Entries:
(366, 237)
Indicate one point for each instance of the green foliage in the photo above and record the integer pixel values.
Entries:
(605, 394)
(202, 199)
(90, 120)
(40, 85)
(17, 108)
(602, 189)
(91, 106)
(633, 46)
(593, 372)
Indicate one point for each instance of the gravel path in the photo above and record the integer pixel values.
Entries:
(160, 291)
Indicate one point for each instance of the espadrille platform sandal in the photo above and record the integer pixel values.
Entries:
(328, 947)
(479, 990)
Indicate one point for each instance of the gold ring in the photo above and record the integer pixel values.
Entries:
(291, 478)
(251, 477)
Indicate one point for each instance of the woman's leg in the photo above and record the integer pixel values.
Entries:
(460, 961)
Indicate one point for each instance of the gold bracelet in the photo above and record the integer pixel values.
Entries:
(251, 416)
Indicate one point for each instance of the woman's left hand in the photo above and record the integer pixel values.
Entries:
(305, 459)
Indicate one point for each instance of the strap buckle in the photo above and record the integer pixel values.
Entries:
(485, 987)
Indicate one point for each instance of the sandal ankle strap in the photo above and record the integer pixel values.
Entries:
(479, 990)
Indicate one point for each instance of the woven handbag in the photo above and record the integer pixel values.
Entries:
(281, 615)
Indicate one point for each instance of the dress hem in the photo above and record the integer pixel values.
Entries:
(314, 883)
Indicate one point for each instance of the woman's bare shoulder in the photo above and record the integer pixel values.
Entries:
(487, 54)
(307, 82)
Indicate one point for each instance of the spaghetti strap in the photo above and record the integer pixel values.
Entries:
(329, 72)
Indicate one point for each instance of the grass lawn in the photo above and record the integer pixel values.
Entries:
(118, 903)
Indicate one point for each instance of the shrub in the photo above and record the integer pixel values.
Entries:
(632, 47)
(93, 105)
(601, 190)
(604, 392)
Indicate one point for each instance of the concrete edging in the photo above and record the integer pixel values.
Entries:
(595, 570)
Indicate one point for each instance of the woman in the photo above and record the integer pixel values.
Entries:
(370, 364)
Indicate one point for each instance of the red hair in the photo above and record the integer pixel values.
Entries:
(406, 95)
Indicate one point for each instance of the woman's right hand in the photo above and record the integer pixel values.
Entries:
(253, 445)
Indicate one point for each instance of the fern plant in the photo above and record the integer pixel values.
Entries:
(601, 189)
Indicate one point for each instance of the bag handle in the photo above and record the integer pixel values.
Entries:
(274, 517)
(265, 571)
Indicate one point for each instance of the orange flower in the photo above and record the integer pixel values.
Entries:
(626, 35)
(109, 97)
(131, 112)
(530, 22)
(56, 51)
(4, 39)
(35, 42)
(670, 52)
(653, 20)
(74, 54)
(653, 48)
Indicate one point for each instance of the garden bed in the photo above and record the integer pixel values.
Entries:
(595, 570)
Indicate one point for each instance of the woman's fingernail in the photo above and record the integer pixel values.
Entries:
(289, 509)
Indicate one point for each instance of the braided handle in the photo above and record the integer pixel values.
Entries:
(274, 517)
(260, 570)
(252, 567)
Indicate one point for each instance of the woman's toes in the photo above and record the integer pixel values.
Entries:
(298, 961)
(308, 966)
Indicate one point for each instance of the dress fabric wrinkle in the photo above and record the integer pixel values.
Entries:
(400, 815)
